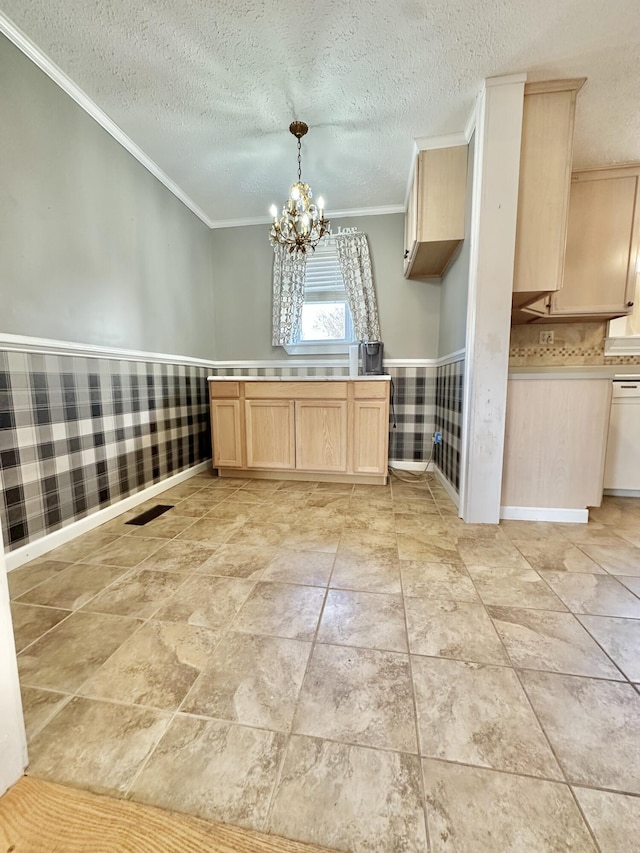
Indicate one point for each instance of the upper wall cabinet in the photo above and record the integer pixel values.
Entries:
(434, 223)
(602, 248)
(543, 194)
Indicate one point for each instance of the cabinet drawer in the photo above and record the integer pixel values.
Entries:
(224, 389)
(295, 390)
(372, 390)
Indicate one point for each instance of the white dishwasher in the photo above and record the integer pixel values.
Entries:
(622, 464)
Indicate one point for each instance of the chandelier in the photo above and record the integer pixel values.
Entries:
(302, 223)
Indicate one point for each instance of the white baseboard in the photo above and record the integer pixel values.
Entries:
(20, 556)
(419, 467)
(623, 493)
(449, 489)
(543, 513)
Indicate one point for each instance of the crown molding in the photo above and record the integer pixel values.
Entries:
(331, 214)
(240, 223)
(412, 171)
(383, 210)
(470, 126)
(431, 143)
(506, 79)
(44, 63)
(569, 84)
(449, 140)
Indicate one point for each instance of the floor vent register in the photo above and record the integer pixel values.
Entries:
(149, 515)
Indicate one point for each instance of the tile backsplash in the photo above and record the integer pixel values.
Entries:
(574, 344)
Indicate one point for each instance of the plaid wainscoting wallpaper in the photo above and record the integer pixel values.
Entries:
(78, 434)
(414, 391)
(414, 404)
(326, 370)
(448, 419)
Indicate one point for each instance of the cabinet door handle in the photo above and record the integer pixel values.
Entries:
(629, 304)
(406, 254)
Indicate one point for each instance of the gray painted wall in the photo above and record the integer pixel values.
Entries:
(409, 310)
(93, 248)
(455, 283)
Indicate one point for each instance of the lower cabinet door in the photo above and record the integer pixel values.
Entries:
(321, 435)
(270, 434)
(226, 433)
(371, 436)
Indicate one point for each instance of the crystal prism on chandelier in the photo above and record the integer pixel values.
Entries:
(302, 223)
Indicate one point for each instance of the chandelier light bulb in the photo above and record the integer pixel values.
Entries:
(273, 210)
(320, 204)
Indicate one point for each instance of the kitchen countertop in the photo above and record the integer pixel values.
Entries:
(596, 371)
(558, 373)
(247, 378)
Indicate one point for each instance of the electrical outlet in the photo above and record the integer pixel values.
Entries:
(546, 337)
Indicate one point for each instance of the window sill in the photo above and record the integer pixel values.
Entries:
(317, 349)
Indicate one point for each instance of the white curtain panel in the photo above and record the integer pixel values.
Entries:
(355, 262)
(288, 294)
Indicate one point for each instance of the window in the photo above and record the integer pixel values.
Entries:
(326, 325)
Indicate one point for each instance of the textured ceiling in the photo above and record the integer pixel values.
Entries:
(207, 89)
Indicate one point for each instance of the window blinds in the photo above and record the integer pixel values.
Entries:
(323, 271)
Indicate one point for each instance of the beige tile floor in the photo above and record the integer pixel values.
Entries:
(350, 666)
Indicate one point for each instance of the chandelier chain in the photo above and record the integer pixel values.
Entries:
(299, 159)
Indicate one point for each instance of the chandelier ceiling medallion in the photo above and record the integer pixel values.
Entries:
(302, 223)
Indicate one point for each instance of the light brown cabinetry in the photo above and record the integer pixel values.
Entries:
(434, 223)
(321, 435)
(546, 153)
(270, 439)
(225, 424)
(602, 248)
(371, 435)
(301, 430)
(555, 441)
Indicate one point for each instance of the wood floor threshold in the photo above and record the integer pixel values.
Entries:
(44, 817)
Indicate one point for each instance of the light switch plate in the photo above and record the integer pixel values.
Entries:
(545, 337)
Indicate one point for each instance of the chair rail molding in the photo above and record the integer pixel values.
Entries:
(50, 346)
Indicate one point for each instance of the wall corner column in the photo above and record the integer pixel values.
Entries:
(492, 252)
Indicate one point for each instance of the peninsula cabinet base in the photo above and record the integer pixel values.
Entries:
(245, 474)
(324, 430)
